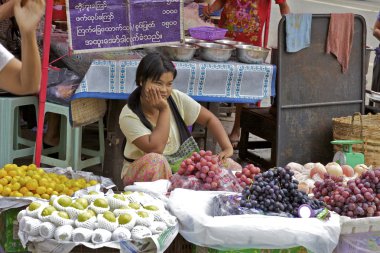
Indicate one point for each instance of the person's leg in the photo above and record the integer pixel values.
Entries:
(51, 137)
(150, 167)
(234, 136)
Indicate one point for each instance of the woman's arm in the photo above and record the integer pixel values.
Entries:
(284, 8)
(209, 120)
(24, 78)
(156, 141)
(216, 5)
(376, 29)
(6, 9)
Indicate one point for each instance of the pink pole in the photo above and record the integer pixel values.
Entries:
(266, 31)
(44, 79)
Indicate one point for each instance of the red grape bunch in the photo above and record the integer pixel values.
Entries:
(205, 166)
(360, 198)
(246, 176)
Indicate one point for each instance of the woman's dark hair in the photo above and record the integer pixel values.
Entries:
(152, 66)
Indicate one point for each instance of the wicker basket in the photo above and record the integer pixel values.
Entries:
(360, 127)
(85, 111)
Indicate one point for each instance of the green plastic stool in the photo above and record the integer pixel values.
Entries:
(12, 145)
(70, 148)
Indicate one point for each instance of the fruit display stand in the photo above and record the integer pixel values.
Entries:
(194, 212)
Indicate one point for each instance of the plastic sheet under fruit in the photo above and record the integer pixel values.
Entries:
(194, 212)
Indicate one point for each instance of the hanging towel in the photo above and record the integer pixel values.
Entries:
(298, 30)
(339, 38)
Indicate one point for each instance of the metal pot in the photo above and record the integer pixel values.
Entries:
(251, 54)
(215, 52)
(180, 52)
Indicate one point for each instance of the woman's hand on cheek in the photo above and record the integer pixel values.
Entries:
(156, 99)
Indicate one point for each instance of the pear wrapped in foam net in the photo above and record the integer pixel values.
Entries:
(47, 230)
(63, 233)
(43, 218)
(98, 209)
(121, 234)
(82, 235)
(34, 213)
(101, 235)
(21, 214)
(116, 203)
(119, 211)
(166, 217)
(144, 221)
(89, 224)
(73, 212)
(58, 206)
(132, 222)
(23, 221)
(106, 224)
(158, 227)
(60, 221)
(32, 227)
(140, 232)
(92, 197)
(139, 197)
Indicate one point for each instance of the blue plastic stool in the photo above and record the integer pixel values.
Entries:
(70, 148)
(10, 139)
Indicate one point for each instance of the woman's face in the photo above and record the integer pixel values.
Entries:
(164, 84)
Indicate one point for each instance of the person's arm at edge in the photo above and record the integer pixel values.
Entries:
(284, 8)
(215, 6)
(6, 9)
(376, 29)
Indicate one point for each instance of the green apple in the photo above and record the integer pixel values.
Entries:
(63, 214)
(65, 201)
(134, 205)
(83, 202)
(82, 217)
(124, 218)
(93, 193)
(48, 210)
(34, 205)
(151, 208)
(77, 205)
(109, 216)
(143, 214)
(101, 203)
(119, 196)
(92, 212)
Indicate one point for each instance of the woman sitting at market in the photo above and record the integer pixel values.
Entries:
(24, 77)
(155, 124)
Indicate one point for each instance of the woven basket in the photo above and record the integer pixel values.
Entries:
(360, 127)
(86, 111)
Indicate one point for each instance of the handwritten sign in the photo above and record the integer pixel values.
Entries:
(105, 25)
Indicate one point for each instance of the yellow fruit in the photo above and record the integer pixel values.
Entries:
(23, 190)
(54, 193)
(43, 182)
(1, 188)
(9, 167)
(9, 178)
(37, 195)
(32, 167)
(15, 186)
(3, 181)
(22, 181)
(32, 185)
(93, 182)
(49, 190)
(30, 173)
(6, 191)
(45, 196)
(24, 167)
(18, 194)
(28, 194)
(69, 192)
(41, 190)
(59, 187)
(3, 173)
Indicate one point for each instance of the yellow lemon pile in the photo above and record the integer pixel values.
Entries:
(28, 181)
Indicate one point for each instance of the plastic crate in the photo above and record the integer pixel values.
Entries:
(207, 33)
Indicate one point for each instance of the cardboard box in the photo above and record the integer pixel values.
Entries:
(9, 240)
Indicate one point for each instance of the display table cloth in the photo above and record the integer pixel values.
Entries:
(112, 76)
